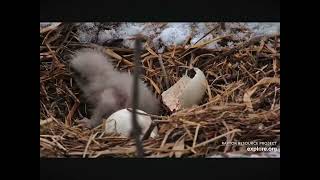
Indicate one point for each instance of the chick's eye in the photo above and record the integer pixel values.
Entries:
(76, 73)
(71, 68)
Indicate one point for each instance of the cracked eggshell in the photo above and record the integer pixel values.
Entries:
(120, 122)
(188, 91)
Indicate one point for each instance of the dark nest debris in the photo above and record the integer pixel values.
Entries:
(242, 102)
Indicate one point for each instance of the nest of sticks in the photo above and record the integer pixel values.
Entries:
(242, 102)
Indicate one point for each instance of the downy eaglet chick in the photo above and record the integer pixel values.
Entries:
(105, 88)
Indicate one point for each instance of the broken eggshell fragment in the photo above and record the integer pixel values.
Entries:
(120, 122)
(188, 91)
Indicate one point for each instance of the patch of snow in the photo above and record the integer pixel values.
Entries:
(170, 34)
(87, 32)
(127, 30)
(45, 24)
(264, 28)
(175, 33)
(106, 35)
(200, 30)
(234, 29)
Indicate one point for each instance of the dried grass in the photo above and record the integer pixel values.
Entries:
(242, 102)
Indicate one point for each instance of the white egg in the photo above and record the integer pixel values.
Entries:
(121, 122)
